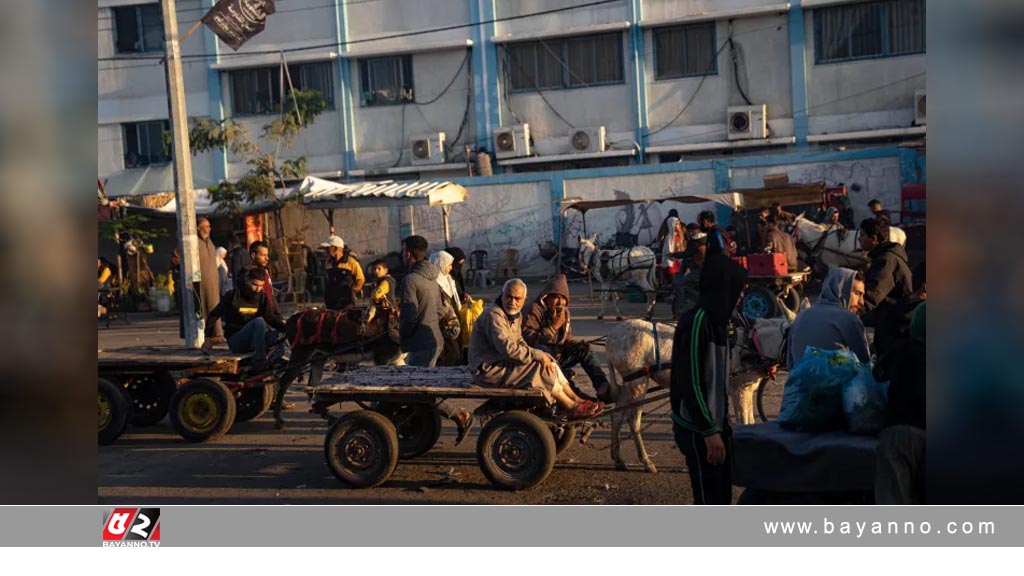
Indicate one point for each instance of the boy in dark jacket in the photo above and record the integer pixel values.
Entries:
(700, 378)
(888, 285)
(547, 326)
(248, 317)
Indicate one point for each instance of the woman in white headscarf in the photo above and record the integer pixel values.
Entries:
(675, 243)
(451, 354)
(222, 271)
(444, 261)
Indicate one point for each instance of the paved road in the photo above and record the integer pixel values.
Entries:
(255, 464)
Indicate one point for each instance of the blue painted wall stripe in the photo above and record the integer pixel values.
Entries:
(486, 76)
(636, 36)
(348, 132)
(798, 72)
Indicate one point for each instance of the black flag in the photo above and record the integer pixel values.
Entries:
(236, 21)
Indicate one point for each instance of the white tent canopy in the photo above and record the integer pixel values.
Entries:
(319, 193)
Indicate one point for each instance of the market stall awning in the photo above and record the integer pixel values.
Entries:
(325, 194)
(734, 201)
(204, 203)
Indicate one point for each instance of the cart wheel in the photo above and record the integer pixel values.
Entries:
(516, 450)
(253, 402)
(562, 443)
(115, 409)
(361, 449)
(418, 427)
(151, 397)
(202, 410)
(758, 302)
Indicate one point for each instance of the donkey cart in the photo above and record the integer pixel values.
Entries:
(203, 395)
(398, 419)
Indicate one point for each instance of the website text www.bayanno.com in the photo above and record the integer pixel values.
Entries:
(860, 529)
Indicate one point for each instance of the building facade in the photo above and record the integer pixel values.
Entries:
(622, 98)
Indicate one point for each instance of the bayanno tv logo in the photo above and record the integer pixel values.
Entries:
(132, 528)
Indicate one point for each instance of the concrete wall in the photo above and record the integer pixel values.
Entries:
(560, 21)
(762, 50)
(494, 218)
(844, 96)
(660, 9)
(865, 179)
(320, 142)
(383, 17)
(642, 220)
(379, 129)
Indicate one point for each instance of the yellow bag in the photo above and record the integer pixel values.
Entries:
(467, 317)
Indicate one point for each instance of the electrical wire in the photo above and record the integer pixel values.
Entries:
(391, 36)
(703, 77)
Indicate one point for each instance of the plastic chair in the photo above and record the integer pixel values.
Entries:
(477, 271)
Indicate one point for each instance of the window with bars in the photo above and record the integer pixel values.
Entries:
(144, 143)
(681, 51)
(559, 63)
(869, 30)
(138, 28)
(256, 91)
(387, 80)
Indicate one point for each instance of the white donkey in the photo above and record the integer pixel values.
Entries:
(633, 356)
(611, 267)
(834, 250)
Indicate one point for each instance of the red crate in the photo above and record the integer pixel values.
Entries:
(767, 264)
(741, 260)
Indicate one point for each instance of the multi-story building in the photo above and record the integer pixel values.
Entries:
(574, 98)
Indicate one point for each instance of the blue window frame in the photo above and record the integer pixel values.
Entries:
(563, 63)
(144, 143)
(869, 30)
(682, 51)
(257, 91)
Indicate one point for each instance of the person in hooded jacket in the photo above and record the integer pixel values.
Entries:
(547, 326)
(419, 321)
(833, 320)
(700, 379)
(888, 284)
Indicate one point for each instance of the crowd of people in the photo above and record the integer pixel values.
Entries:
(523, 343)
(886, 296)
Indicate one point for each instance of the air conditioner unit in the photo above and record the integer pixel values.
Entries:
(512, 141)
(747, 122)
(587, 140)
(920, 108)
(427, 149)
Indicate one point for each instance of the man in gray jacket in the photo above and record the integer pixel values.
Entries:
(833, 320)
(419, 324)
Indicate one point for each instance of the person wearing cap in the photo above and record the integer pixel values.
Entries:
(344, 275)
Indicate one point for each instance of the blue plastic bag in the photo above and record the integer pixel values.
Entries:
(812, 400)
(864, 401)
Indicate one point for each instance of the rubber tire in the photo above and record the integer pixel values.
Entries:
(378, 433)
(760, 399)
(224, 416)
(419, 434)
(253, 402)
(528, 433)
(120, 406)
(791, 298)
(761, 292)
(562, 444)
(159, 388)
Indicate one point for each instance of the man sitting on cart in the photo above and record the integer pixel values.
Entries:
(547, 326)
(501, 358)
(248, 317)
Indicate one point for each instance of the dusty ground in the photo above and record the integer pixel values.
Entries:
(255, 464)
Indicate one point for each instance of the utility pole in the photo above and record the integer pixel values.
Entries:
(188, 246)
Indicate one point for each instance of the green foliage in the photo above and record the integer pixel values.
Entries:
(301, 109)
(133, 224)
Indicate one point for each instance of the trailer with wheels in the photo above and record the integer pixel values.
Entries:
(759, 297)
(398, 419)
(201, 394)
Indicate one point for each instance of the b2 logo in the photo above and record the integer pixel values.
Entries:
(132, 524)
